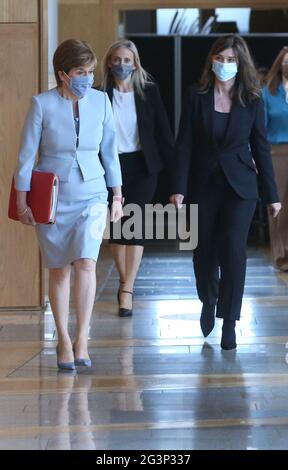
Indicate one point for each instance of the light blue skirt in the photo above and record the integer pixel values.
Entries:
(80, 222)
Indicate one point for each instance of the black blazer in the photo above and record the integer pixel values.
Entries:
(197, 151)
(155, 134)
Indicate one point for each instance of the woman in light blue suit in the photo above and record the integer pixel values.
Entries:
(68, 126)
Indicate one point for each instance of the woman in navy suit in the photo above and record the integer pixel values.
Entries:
(145, 147)
(67, 126)
(222, 145)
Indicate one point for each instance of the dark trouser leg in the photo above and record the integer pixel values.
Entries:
(205, 259)
(207, 276)
(235, 220)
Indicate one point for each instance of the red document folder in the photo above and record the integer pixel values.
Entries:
(42, 197)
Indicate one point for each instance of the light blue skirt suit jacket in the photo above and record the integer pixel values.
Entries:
(50, 132)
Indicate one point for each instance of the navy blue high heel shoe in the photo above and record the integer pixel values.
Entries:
(64, 365)
(81, 361)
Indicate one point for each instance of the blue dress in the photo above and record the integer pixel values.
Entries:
(79, 227)
(72, 152)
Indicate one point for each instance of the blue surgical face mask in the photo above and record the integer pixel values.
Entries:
(122, 71)
(224, 71)
(79, 85)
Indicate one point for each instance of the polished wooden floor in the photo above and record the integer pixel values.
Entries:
(155, 382)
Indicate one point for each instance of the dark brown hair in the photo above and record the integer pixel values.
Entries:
(274, 77)
(72, 53)
(247, 85)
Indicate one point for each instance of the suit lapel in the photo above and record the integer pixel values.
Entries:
(109, 92)
(139, 103)
(208, 103)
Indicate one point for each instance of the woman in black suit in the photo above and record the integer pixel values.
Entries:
(145, 146)
(222, 145)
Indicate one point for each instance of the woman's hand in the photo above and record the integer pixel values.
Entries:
(24, 211)
(177, 200)
(274, 209)
(26, 216)
(116, 208)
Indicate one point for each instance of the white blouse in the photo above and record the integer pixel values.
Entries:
(125, 117)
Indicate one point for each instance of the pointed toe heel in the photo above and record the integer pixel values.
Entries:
(68, 366)
(125, 312)
(207, 319)
(79, 361)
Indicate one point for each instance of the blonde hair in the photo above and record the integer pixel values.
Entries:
(70, 54)
(139, 78)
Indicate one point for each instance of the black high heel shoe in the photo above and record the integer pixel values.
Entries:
(125, 312)
(228, 340)
(207, 319)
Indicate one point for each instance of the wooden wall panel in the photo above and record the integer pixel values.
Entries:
(154, 4)
(20, 276)
(83, 2)
(95, 23)
(79, 21)
(43, 44)
(18, 11)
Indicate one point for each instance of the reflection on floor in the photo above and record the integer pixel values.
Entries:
(155, 383)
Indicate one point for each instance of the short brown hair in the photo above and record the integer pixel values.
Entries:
(72, 53)
(247, 83)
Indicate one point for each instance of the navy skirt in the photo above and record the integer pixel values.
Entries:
(138, 188)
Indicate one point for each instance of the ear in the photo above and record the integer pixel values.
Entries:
(61, 75)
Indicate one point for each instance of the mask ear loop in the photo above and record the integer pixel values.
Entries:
(67, 75)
